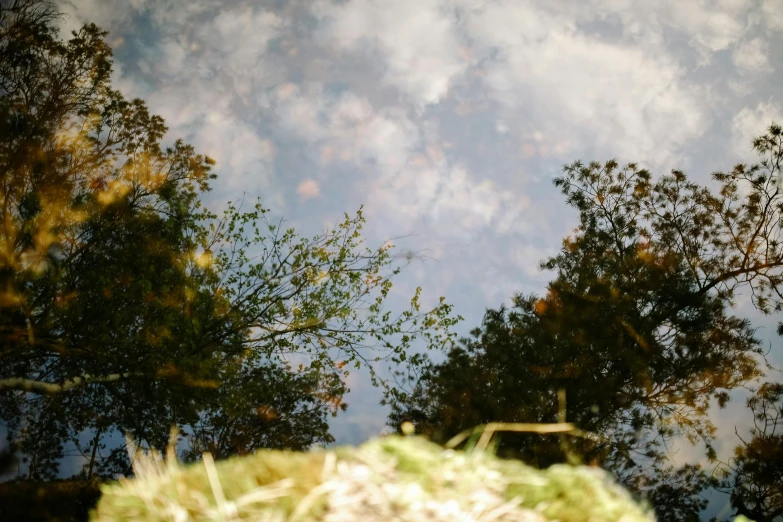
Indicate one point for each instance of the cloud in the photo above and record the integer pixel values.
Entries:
(749, 123)
(633, 101)
(536, 70)
(628, 92)
(712, 26)
(707, 27)
(308, 189)
(245, 159)
(406, 173)
(751, 57)
(107, 15)
(203, 72)
(772, 15)
(416, 38)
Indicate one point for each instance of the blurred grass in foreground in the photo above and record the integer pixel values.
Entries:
(389, 478)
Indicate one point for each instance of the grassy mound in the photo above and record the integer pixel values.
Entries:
(390, 478)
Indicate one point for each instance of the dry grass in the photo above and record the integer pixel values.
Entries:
(392, 478)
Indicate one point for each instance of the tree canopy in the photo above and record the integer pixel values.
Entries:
(636, 327)
(753, 477)
(126, 306)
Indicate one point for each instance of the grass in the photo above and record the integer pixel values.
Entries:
(389, 478)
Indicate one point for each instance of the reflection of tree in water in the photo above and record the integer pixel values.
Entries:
(754, 476)
(636, 327)
(126, 307)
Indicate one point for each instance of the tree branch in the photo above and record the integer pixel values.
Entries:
(51, 388)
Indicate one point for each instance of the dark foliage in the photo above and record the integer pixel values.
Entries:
(126, 307)
(636, 328)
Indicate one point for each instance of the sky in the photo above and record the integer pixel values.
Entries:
(449, 119)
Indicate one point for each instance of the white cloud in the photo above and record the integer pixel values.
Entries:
(349, 127)
(749, 123)
(578, 87)
(206, 70)
(238, 150)
(201, 74)
(708, 26)
(772, 14)
(238, 41)
(627, 94)
(751, 56)
(630, 93)
(416, 37)
(713, 27)
(408, 175)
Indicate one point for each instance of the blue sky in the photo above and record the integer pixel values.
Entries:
(449, 118)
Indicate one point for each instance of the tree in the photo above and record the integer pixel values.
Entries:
(636, 326)
(127, 307)
(754, 477)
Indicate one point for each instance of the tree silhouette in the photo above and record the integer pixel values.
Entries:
(754, 477)
(127, 307)
(636, 327)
